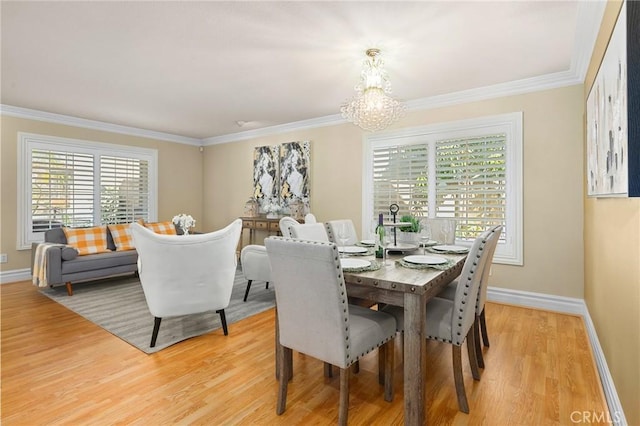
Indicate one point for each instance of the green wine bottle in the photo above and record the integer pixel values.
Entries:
(379, 238)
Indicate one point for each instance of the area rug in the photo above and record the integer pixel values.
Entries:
(118, 306)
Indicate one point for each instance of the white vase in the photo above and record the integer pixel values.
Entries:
(407, 237)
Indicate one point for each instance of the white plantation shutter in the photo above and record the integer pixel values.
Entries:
(469, 170)
(66, 182)
(400, 177)
(62, 190)
(471, 183)
(124, 188)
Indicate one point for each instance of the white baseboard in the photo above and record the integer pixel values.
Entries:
(569, 305)
(15, 275)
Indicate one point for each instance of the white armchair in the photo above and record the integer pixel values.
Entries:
(255, 266)
(186, 274)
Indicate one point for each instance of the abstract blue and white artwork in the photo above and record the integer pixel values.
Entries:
(607, 120)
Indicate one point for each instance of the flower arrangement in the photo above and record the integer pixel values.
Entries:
(184, 221)
(272, 207)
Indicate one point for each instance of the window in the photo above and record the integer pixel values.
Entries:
(65, 182)
(469, 170)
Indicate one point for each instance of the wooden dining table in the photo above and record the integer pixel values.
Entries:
(412, 289)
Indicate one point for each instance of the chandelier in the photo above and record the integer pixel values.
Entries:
(371, 108)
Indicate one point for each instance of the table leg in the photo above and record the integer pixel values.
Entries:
(415, 359)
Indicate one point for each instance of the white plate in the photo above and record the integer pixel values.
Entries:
(368, 243)
(352, 249)
(456, 249)
(425, 259)
(401, 247)
(354, 263)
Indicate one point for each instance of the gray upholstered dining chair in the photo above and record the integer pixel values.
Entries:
(255, 266)
(286, 223)
(190, 274)
(451, 321)
(449, 292)
(315, 318)
(333, 231)
(309, 232)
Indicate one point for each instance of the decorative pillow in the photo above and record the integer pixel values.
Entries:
(121, 236)
(162, 227)
(69, 253)
(87, 240)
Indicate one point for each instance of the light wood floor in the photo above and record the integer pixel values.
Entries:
(58, 368)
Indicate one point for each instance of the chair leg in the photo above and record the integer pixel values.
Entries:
(283, 379)
(471, 351)
(343, 411)
(476, 338)
(382, 359)
(267, 285)
(459, 380)
(154, 334)
(388, 350)
(69, 288)
(223, 319)
(288, 356)
(356, 367)
(483, 326)
(246, 292)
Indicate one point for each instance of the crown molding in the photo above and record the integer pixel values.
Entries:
(30, 114)
(328, 120)
(518, 87)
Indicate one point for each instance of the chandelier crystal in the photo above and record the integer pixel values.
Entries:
(371, 108)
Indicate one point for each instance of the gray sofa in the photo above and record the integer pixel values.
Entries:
(65, 267)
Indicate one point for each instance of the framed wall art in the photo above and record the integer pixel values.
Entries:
(281, 177)
(613, 108)
(265, 175)
(294, 172)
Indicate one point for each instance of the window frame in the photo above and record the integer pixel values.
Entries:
(27, 142)
(509, 251)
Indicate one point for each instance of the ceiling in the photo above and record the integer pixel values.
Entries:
(196, 69)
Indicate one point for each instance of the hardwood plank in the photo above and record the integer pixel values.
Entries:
(57, 368)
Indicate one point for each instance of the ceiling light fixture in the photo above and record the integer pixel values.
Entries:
(371, 108)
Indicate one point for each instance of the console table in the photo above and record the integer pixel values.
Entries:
(260, 223)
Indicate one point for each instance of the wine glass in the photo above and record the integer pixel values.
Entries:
(447, 230)
(425, 235)
(343, 237)
(385, 241)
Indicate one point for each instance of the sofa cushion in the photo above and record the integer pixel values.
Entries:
(162, 227)
(90, 262)
(55, 235)
(87, 240)
(121, 236)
